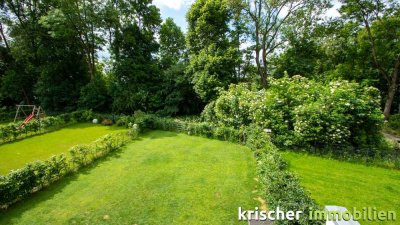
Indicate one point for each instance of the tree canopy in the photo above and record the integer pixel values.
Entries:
(50, 52)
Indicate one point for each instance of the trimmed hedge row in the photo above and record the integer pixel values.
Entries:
(280, 186)
(13, 131)
(18, 184)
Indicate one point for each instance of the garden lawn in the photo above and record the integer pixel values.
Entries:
(333, 182)
(16, 154)
(163, 178)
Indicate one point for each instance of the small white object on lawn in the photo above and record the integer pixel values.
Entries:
(95, 121)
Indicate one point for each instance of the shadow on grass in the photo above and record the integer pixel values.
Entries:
(155, 134)
(16, 210)
(88, 125)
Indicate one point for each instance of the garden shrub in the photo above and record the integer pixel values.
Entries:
(6, 113)
(394, 122)
(143, 120)
(233, 107)
(348, 114)
(123, 121)
(106, 122)
(82, 115)
(392, 125)
(134, 131)
(303, 112)
(282, 188)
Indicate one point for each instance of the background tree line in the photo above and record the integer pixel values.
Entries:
(49, 53)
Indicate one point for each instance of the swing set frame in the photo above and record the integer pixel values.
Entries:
(33, 110)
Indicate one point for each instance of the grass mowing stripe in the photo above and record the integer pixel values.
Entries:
(16, 154)
(333, 182)
(164, 178)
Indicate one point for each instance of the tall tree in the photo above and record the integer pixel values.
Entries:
(22, 19)
(172, 43)
(82, 18)
(180, 97)
(135, 69)
(380, 20)
(268, 18)
(213, 54)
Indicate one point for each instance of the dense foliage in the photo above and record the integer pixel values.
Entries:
(300, 111)
(151, 65)
(213, 54)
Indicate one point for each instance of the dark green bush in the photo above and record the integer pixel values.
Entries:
(394, 122)
(144, 120)
(282, 188)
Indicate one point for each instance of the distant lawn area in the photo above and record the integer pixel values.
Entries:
(16, 154)
(332, 182)
(163, 178)
(5, 123)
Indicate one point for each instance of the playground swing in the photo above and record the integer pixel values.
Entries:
(34, 112)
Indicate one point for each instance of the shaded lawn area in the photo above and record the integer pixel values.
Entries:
(163, 178)
(16, 154)
(333, 182)
(5, 123)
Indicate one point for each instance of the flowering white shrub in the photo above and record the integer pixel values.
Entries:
(298, 111)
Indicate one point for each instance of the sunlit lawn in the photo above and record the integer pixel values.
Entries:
(16, 154)
(333, 182)
(164, 178)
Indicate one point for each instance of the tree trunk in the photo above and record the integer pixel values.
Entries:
(4, 37)
(264, 70)
(260, 71)
(392, 89)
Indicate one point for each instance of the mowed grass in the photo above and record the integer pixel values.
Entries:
(164, 178)
(41, 147)
(333, 182)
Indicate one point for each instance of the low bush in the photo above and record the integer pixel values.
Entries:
(394, 122)
(18, 184)
(392, 125)
(107, 122)
(6, 114)
(282, 188)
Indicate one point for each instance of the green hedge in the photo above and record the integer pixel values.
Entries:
(18, 184)
(280, 187)
(13, 131)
